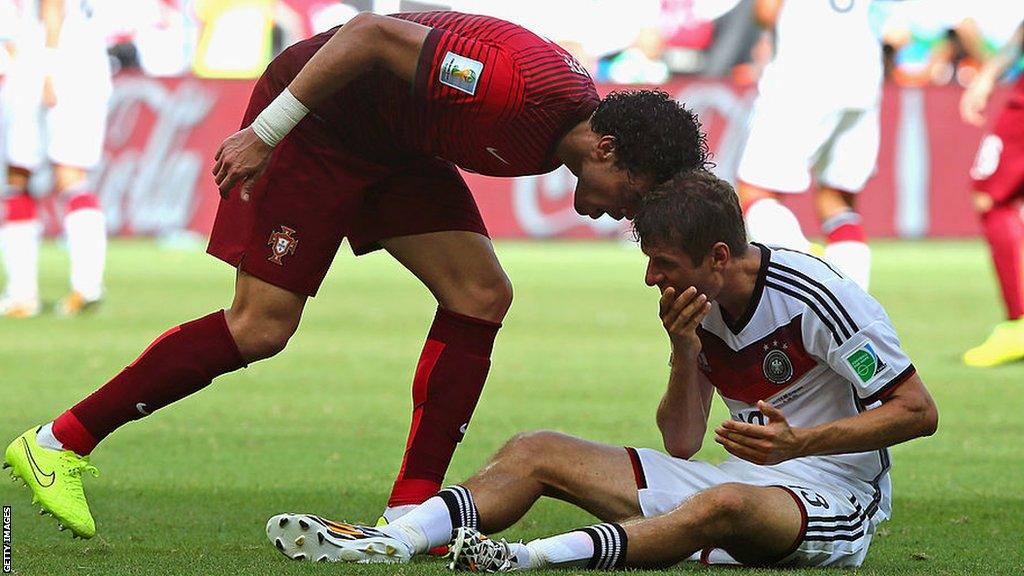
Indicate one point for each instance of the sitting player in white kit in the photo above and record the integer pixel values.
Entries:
(816, 112)
(810, 368)
(54, 104)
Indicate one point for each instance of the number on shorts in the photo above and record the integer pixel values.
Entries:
(752, 417)
(813, 498)
(987, 160)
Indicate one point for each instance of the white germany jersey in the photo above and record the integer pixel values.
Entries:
(827, 51)
(818, 348)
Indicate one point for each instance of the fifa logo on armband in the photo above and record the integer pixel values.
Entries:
(866, 363)
(281, 244)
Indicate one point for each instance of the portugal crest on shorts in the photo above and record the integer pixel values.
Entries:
(282, 243)
(777, 367)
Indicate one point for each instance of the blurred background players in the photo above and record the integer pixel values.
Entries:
(54, 105)
(997, 180)
(827, 124)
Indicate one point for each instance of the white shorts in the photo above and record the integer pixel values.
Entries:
(836, 531)
(790, 138)
(71, 133)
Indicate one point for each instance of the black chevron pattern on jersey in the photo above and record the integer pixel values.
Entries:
(811, 256)
(816, 296)
(820, 287)
(790, 291)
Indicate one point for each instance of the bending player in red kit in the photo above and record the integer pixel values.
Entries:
(357, 133)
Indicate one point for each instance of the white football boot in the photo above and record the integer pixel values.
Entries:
(310, 537)
(473, 552)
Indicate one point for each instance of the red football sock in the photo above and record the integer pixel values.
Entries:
(183, 360)
(449, 378)
(1004, 232)
(844, 227)
(18, 206)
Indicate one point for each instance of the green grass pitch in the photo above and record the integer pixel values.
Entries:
(321, 427)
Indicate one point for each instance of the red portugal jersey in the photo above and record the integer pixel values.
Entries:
(489, 96)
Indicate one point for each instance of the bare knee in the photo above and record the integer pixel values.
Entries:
(488, 298)
(724, 508)
(525, 445)
(529, 452)
(66, 177)
(260, 330)
(730, 499)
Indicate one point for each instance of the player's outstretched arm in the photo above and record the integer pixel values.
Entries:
(975, 97)
(366, 41)
(683, 412)
(907, 413)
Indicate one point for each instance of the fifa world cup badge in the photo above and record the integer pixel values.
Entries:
(461, 73)
(282, 243)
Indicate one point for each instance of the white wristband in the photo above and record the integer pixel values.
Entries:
(278, 119)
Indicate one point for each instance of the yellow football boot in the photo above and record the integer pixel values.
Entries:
(1004, 345)
(55, 478)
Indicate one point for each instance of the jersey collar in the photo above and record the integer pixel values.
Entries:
(736, 326)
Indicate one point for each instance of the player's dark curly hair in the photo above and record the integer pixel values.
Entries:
(692, 211)
(654, 135)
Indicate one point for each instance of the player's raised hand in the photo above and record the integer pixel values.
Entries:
(766, 444)
(681, 314)
(241, 158)
(974, 100)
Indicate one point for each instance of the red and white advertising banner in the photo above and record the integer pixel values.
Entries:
(155, 177)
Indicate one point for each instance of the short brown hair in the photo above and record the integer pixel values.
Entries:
(692, 211)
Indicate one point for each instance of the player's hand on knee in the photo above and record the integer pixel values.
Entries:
(766, 444)
(241, 158)
(681, 314)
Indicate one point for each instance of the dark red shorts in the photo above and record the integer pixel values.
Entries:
(998, 168)
(315, 192)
